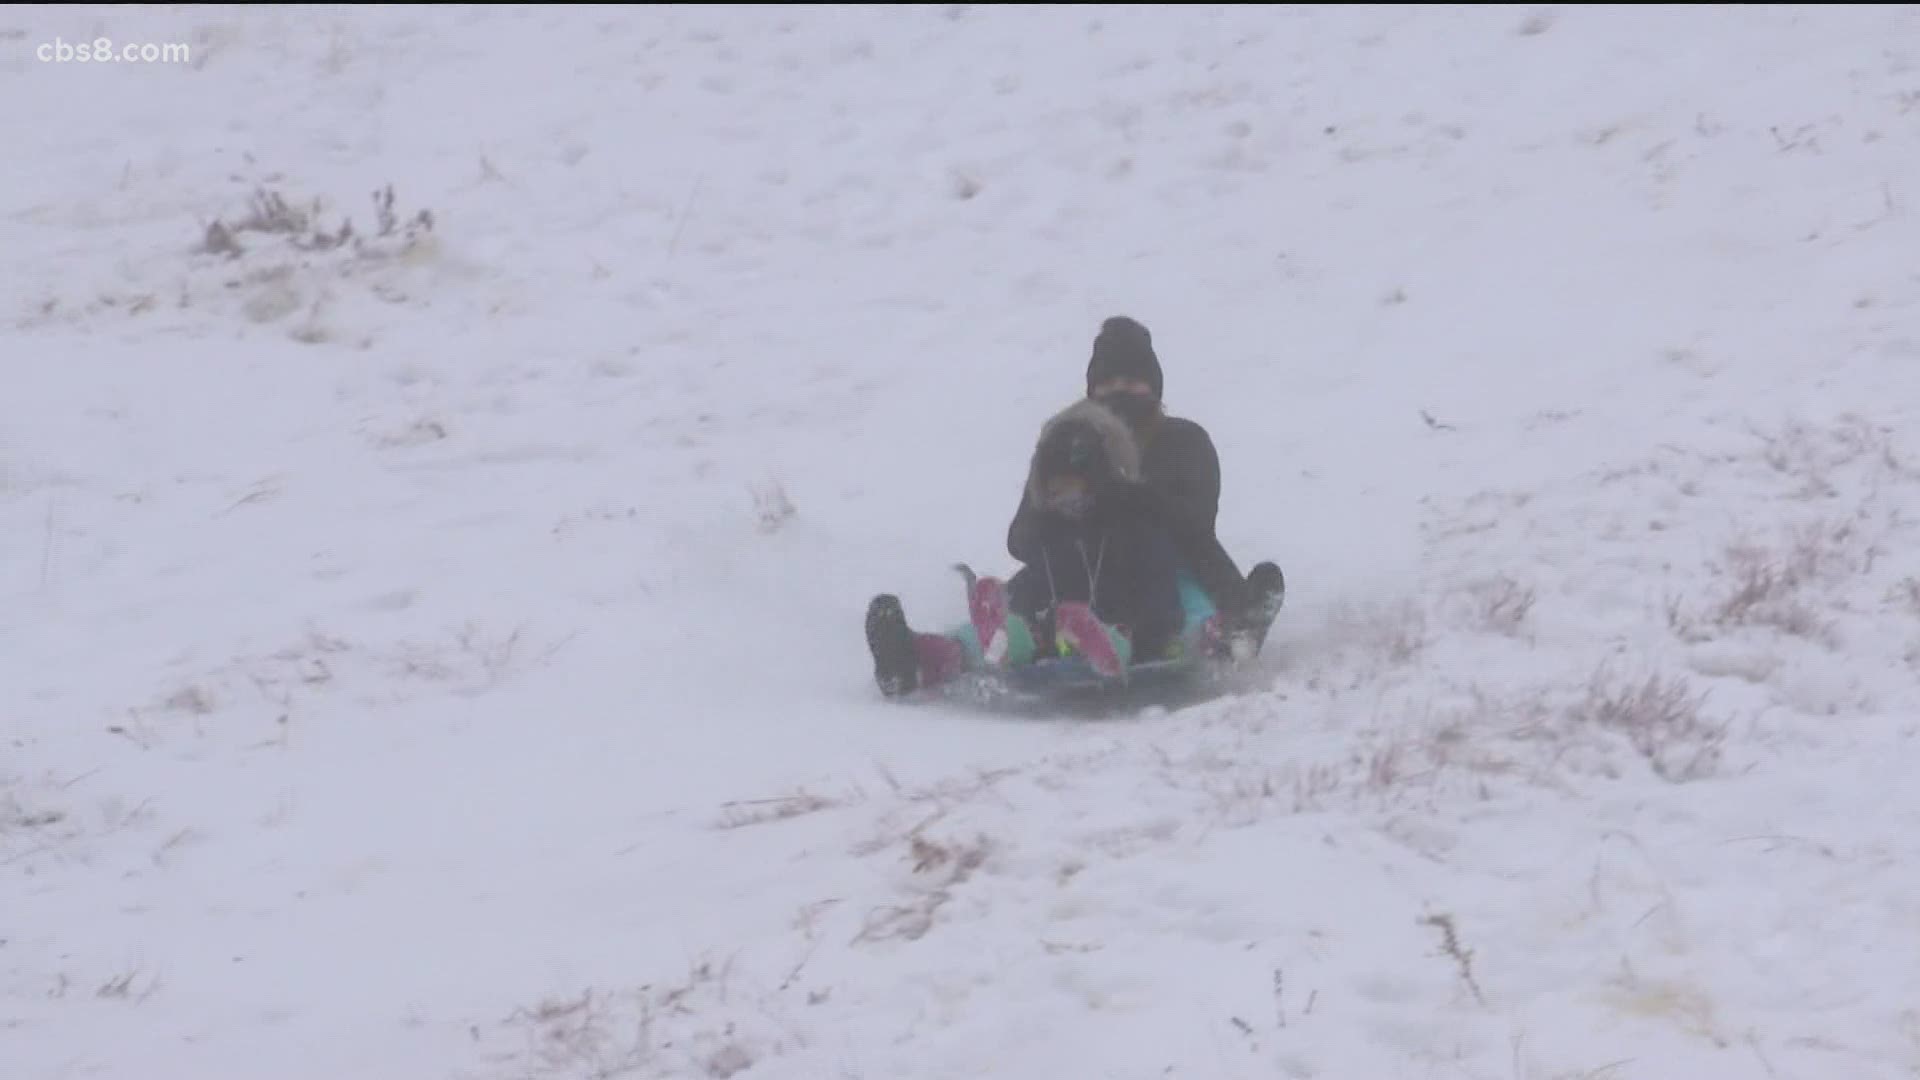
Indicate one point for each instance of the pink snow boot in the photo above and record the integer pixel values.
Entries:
(1106, 651)
(905, 661)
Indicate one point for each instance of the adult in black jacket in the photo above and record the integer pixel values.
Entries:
(1180, 470)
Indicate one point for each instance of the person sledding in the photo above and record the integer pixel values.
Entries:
(1180, 474)
(1099, 576)
(1115, 535)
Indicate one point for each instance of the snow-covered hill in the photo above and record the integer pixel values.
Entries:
(431, 648)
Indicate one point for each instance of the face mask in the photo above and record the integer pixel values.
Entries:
(1133, 408)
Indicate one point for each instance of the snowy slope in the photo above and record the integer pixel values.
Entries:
(410, 668)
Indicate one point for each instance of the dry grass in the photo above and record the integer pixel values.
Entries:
(1450, 946)
(580, 1037)
(471, 660)
(680, 1029)
(1687, 1007)
(270, 214)
(938, 868)
(1906, 594)
(1413, 753)
(478, 659)
(16, 816)
(43, 818)
(126, 987)
(1811, 454)
(193, 700)
(1763, 594)
(1777, 586)
(944, 796)
(280, 259)
(748, 812)
(419, 433)
(277, 679)
(1498, 605)
(1403, 634)
(1386, 635)
(771, 507)
(1408, 753)
(1660, 716)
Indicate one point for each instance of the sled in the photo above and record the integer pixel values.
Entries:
(1069, 684)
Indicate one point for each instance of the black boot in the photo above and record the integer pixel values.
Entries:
(1260, 604)
(896, 663)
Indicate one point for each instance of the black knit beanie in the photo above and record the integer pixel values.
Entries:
(1124, 348)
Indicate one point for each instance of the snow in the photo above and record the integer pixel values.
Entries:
(437, 655)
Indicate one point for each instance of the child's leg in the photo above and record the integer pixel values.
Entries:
(1075, 628)
(1105, 648)
(905, 660)
(1000, 637)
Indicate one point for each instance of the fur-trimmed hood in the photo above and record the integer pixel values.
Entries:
(1085, 417)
